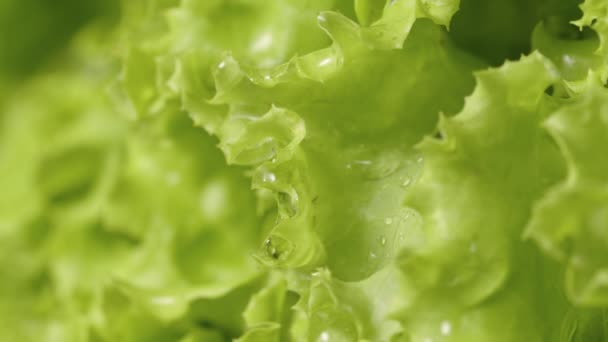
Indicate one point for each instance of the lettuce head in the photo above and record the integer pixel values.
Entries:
(304, 170)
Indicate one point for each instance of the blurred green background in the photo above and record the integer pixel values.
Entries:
(32, 32)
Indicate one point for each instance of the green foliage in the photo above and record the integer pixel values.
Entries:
(305, 170)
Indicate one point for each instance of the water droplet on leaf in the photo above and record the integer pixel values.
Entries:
(269, 177)
(288, 203)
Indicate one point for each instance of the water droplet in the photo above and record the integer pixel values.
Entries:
(372, 255)
(250, 153)
(271, 249)
(374, 164)
(273, 252)
(383, 240)
(276, 249)
(325, 62)
(269, 177)
(382, 167)
(227, 74)
(263, 42)
(568, 60)
(388, 220)
(324, 337)
(289, 203)
(446, 328)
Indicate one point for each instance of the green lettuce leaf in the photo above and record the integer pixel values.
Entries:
(568, 221)
(307, 170)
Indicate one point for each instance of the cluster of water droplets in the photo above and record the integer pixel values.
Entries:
(390, 173)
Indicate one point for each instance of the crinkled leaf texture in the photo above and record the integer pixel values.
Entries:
(569, 222)
(309, 170)
(595, 15)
